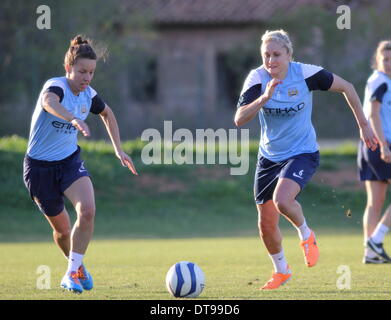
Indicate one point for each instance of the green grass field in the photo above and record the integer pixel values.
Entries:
(171, 213)
(234, 267)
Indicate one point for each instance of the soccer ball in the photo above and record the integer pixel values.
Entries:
(185, 280)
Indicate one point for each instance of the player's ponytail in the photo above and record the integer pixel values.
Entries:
(78, 40)
(81, 47)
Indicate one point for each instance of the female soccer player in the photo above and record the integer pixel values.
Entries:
(375, 166)
(280, 92)
(52, 165)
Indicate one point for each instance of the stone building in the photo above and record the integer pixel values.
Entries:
(195, 84)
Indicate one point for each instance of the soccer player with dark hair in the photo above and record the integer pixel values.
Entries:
(52, 165)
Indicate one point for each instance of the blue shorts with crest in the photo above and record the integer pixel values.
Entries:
(47, 180)
(299, 168)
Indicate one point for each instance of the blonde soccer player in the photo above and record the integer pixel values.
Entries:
(279, 92)
(375, 166)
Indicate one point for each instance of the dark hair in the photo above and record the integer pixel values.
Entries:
(81, 48)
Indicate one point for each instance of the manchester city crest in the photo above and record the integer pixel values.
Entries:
(292, 92)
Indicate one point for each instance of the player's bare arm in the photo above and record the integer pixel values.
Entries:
(51, 103)
(347, 89)
(246, 113)
(108, 118)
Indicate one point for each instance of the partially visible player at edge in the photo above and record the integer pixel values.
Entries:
(280, 93)
(52, 165)
(375, 166)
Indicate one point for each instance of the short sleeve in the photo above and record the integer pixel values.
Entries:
(379, 92)
(56, 86)
(97, 105)
(317, 78)
(57, 91)
(321, 80)
(252, 89)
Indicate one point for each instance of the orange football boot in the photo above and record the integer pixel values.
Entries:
(277, 280)
(310, 250)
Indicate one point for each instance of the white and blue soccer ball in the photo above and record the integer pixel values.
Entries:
(185, 280)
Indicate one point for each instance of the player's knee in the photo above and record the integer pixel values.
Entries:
(87, 213)
(282, 204)
(62, 233)
(266, 228)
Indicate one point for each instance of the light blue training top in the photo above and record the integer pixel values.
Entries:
(378, 88)
(52, 138)
(286, 126)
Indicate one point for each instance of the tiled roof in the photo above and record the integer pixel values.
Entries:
(215, 11)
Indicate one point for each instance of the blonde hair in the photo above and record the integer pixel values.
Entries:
(281, 37)
(382, 46)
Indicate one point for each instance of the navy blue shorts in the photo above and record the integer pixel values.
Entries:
(300, 168)
(371, 166)
(47, 180)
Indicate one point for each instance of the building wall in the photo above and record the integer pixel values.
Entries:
(187, 70)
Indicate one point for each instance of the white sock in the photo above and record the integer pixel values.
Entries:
(379, 233)
(279, 262)
(304, 231)
(74, 261)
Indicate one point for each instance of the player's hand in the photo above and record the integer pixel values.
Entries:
(369, 138)
(81, 126)
(126, 161)
(385, 153)
(271, 85)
